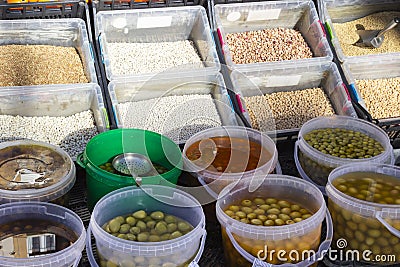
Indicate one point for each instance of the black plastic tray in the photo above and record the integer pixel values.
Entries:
(43, 10)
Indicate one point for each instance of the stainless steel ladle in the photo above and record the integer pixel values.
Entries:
(375, 38)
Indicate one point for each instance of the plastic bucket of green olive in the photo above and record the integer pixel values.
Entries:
(97, 158)
(278, 223)
(220, 156)
(364, 200)
(40, 234)
(35, 171)
(325, 143)
(152, 225)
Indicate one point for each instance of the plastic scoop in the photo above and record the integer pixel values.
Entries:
(375, 38)
(134, 164)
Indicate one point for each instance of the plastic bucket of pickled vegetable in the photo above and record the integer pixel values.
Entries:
(223, 155)
(101, 149)
(325, 143)
(40, 234)
(364, 200)
(127, 225)
(279, 223)
(35, 171)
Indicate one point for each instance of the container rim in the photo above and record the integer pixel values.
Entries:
(119, 243)
(230, 176)
(65, 183)
(59, 256)
(280, 232)
(316, 153)
(355, 203)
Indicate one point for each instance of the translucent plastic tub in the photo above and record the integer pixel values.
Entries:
(35, 171)
(246, 244)
(67, 257)
(365, 225)
(131, 90)
(69, 32)
(315, 166)
(157, 25)
(293, 77)
(215, 181)
(186, 249)
(342, 11)
(300, 15)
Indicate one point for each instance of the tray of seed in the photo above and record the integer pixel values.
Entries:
(284, 99)
(61, 115)
(375, 83)
(162, 41)
(343, 19)
(133, 4)
(270, 33)
(177, 108)
(44, 52)
(54, 10)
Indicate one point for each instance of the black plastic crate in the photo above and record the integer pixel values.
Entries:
(43, 10)
(134, 4)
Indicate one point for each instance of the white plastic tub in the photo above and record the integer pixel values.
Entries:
(355, 220)
(51, 160)
(315, 166)
(214, 182)
(67, 257)
(300, 15)
(242, 242)
(185, 249)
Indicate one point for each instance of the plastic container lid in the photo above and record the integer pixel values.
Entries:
(67, 257)
(34, 171)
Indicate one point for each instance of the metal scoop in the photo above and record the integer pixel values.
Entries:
(375, 38)
(134, 164)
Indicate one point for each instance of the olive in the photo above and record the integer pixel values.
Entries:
(131, 237)
(161, 228)
(175, 234)
(135, 230)
(172, 227)
(142, 225)
(154, 238)
(184, 227)
(259, 201)
(114, 225)
(157, 215)
(142, 237)
(130, 220)
(140, 214)
(124, 228)
(246, 203)
(151, 224)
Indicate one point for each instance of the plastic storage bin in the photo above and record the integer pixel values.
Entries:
(67, 257)
(215, 181)
(334, 11)
(54, 101)
(378, 67)
(186, 249)
(366, 226)
(270, 79)
(131, 4)
(133, 90)
(23, 166)
(105, 146)
(157, 25)
(300, 15)
(70, 32)
(244, 243)
(315, 166)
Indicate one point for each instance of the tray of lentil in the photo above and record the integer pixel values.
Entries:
(283, 99)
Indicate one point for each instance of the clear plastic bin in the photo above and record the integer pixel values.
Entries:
(341, 11)
(46, 211)
(157, 25)
(315, 166)
(245, 244)
(54, 101)
(133, 90)
(365, 225)
(379, 67)
(186, 249)
(270, 79)
(300, 15)
(69, 32)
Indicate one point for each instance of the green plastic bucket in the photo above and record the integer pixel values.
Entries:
(105, 146)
